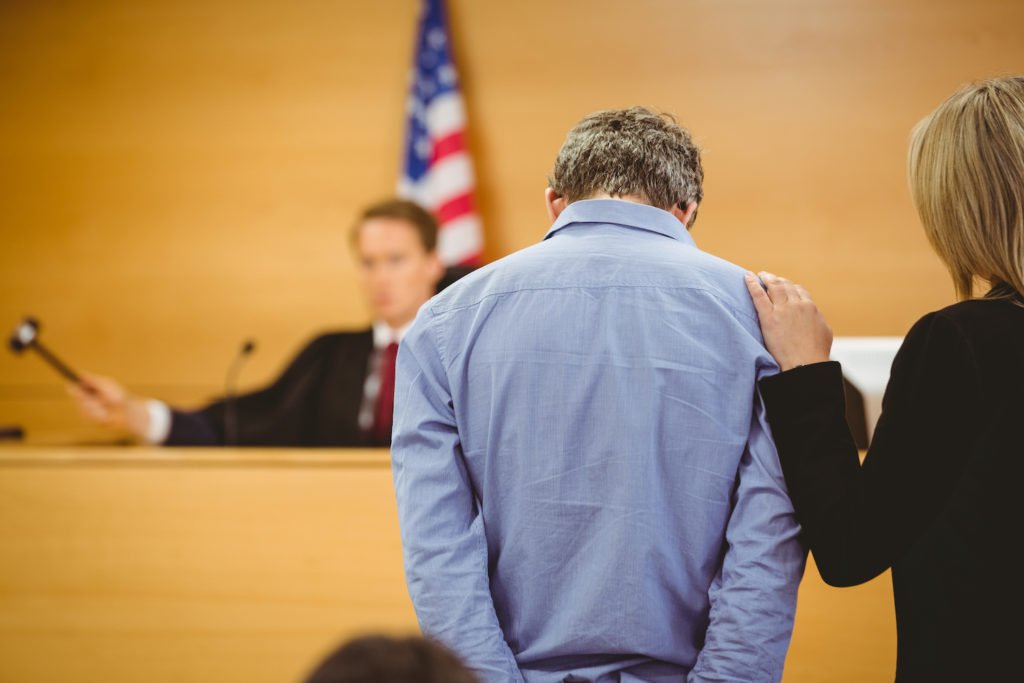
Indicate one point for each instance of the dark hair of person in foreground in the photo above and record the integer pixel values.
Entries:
(384, 659)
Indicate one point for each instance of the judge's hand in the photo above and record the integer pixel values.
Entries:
(794, 330)
(104, 401)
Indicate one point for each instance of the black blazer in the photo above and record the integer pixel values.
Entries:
(315, 402)
(935, 499)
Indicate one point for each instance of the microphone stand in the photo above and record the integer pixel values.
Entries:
(230, 391)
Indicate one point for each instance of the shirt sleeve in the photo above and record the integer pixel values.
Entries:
(859, 519)
(443, 541)
(159, 422)
(753, 596)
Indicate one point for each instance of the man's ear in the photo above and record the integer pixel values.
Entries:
(685, 215)
(555, 202)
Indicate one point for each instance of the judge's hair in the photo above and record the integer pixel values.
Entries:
(966, 168)
(635, 151)
(402, 209)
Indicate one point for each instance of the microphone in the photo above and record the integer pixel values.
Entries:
(230, 387)
(26, 336)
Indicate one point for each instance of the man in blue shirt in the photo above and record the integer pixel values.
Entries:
(586, 485)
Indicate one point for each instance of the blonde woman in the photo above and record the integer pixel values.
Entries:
(937, 499)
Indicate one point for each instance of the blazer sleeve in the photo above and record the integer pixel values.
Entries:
(859, 519)
(276, 415)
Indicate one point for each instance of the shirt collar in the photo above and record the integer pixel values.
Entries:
(383, 335)
(621, 212)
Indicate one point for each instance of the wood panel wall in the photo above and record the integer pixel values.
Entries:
(178, 175)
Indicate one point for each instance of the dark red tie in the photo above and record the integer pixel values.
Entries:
(384, 411)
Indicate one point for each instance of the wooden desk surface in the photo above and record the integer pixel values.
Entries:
(34, 455)
(128, 564)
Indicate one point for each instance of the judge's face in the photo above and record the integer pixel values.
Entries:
(397, 271)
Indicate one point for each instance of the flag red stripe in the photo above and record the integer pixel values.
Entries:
(456, 207)
(446, 146)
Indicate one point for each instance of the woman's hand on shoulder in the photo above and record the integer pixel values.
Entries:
(795, 332)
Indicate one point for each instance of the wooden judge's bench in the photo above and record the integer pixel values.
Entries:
(127, 564)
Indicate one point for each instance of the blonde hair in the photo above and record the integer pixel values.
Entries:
(966, 168)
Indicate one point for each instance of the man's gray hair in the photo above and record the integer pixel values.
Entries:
(635, 151)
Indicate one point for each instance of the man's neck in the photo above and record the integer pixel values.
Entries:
(634, 198)
(683, 214)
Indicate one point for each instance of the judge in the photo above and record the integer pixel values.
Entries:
(338, 390)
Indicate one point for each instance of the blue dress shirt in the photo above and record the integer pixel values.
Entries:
(587, 488)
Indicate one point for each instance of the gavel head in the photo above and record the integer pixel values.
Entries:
(24, 335)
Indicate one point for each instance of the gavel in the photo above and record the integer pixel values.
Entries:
(26, 336)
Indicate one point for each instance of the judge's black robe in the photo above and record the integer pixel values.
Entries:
(315, 402)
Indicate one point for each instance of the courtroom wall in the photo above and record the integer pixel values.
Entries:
(177, 176)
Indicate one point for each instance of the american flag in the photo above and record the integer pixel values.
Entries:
(438, 172)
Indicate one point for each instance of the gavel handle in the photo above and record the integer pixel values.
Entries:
(56, 363)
